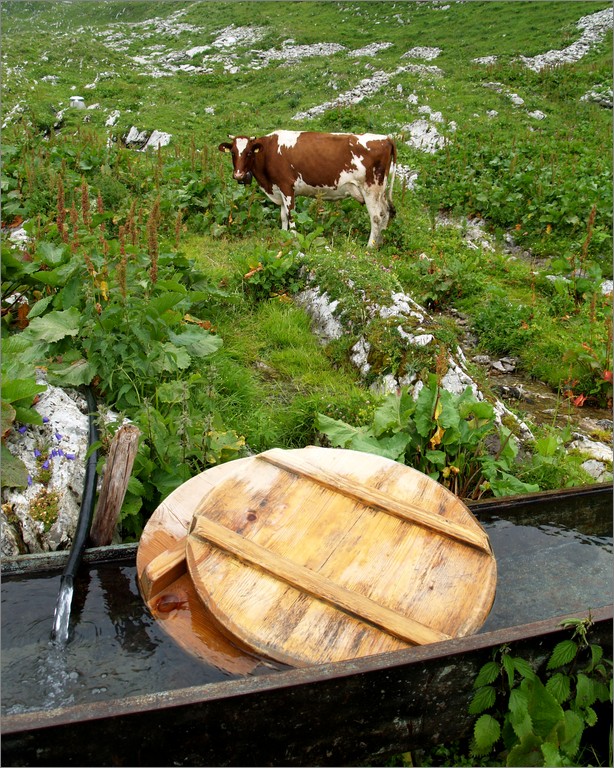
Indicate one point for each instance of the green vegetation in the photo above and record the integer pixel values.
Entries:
(541, 713)
(542, 720)
(455, 440)
(169, 288)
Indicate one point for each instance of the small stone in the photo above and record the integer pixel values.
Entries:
(595, 450)
(597, 470)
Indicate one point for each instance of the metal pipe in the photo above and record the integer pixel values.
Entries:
(61, 619)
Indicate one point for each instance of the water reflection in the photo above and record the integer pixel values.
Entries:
(546, 571)
(124, 607)
(117, 649)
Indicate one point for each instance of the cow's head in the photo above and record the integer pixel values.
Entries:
(243, 150)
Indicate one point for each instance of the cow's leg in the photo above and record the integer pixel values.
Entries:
(287, 208)
(377, 205)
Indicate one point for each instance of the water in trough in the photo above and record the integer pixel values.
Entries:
(116, 649)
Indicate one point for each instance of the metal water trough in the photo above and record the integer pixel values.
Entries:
(342, 713)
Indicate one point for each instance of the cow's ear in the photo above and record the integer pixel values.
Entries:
(256, 148)
(225, 147)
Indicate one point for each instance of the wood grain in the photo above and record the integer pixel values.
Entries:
(407, 568)
(391, 560)
(315, 584)
(374, 498)
(163, 570)
(122, 453)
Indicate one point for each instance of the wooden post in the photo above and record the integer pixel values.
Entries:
(117, 473)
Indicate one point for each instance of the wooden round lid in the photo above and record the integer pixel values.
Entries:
(316, 555)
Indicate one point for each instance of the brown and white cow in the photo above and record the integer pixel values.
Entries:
(290, 164)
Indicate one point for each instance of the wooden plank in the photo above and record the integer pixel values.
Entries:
(163, 570)
(315, 584)
(118, 469)
(374, 498)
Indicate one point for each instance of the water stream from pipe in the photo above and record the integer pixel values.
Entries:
(61, 617)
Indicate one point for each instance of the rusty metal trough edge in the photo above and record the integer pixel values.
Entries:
(290, 678)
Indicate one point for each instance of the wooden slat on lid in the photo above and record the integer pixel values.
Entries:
(374, 498)
(395, 540)
(313, 583)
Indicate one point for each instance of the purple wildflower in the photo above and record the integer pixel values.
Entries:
(70, 456)
(37, 453)
(59, 452)
(46, 464)
(58, 436)
(45, 419)
(30, 480)
(23, 429)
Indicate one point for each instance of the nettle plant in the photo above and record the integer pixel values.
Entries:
(541, 719)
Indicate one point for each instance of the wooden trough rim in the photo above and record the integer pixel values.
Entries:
(247, 686)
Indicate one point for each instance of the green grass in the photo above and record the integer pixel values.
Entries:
(272, 376)
(538, 179)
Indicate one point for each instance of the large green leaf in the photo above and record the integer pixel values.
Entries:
(160, 304)
(392, 447)
(15, 390)
(425, 407)
(14, 472)
(484, 698)
(51, 254)
(544, 709)
(387, 415)
(487, 674)
(197, 341)
(552, 756)
(559, 685)
(339, 433)
(27, 415)
(72, 374)
(40, 307)
(527, 753)
(571, 733)
(59, 276)
(54, 325)
(564, 652)
(486, 734)
(520, 719)
(449, 416)
(171, 357)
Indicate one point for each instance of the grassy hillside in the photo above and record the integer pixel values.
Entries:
(513, 168)
(522, 148)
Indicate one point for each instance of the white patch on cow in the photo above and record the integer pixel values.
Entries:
(365, 138)
(286, 139)
(241, 145)
(275, 196)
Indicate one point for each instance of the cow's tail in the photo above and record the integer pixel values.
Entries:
(392, 173)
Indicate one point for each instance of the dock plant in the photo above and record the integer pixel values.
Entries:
(454, 439)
